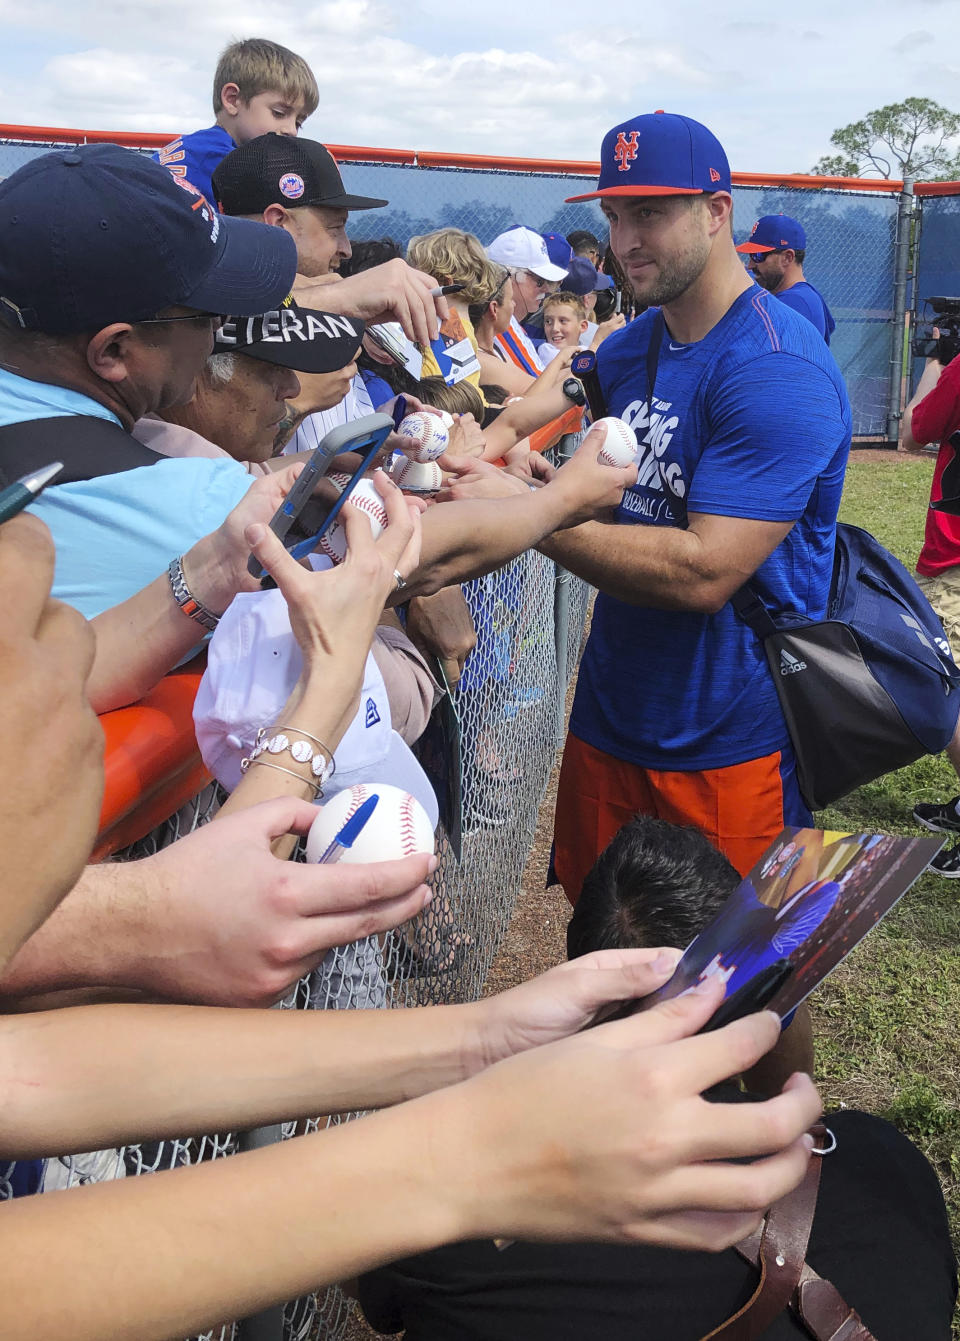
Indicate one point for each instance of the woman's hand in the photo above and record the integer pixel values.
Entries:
(567, 998)
(606, 1135)
(334, 613)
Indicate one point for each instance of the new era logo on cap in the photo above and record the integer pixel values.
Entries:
(660, 154)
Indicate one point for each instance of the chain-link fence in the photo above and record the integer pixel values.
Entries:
(850, 256)
(508, 705)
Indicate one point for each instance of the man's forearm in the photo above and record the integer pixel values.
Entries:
(87, 1077)
(928, 380)
(657, 566)
(470, 537)
(138, 641)
(95, 938)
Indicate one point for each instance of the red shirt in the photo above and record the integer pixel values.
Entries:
(935, 418)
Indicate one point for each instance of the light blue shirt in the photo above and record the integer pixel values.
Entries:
(22, 400)
(117, 533)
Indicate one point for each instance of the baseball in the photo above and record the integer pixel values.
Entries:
(428, 433)
(620, 445)
(420, 477)
(398, 827)
(365, 497)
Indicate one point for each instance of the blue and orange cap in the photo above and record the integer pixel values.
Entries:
(660, 154)
(774, 232)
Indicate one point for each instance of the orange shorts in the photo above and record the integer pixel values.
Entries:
(741, 809)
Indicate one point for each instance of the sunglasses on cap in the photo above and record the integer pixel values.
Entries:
(214, 319)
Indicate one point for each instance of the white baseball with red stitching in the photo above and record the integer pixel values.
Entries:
(364, 497)
(620, 445)
(421, 477)
(398, 827)
(429, 434)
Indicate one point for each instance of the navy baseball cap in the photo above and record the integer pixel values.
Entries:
(98, 234)
(660, 154)
(774, 232)
(558, 249)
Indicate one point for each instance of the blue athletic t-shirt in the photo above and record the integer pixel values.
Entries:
(196, 157)
(810, 303)
(752, 421)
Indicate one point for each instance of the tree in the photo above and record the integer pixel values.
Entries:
(904, 139)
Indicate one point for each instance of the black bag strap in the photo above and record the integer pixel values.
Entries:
(653, 356)
(87, 445)
(746, 602)
(748, 606)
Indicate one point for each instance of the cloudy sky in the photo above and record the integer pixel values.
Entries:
(499, 77)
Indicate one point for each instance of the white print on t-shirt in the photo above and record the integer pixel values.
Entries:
(660, 428)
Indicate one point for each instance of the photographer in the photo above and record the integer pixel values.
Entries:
(933, 415)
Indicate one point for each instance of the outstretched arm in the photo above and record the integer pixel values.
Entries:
(513, 1151)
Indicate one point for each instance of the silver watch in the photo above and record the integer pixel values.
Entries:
(186, 600)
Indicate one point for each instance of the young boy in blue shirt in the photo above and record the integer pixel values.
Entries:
(259, 87)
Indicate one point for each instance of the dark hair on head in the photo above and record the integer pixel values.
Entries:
(494, 393)
(800, 254)
(376, 251)
(655, 884)
(581, 242)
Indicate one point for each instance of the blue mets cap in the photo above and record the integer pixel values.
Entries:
(774, 232)
(660, 154)
(99, 234)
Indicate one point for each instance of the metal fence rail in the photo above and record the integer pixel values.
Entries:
(509, 703)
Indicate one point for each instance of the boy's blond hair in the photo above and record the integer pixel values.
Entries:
(455, 257)
(258, 66)
(566, 299)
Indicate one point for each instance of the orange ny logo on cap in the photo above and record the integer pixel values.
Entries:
(625, 150)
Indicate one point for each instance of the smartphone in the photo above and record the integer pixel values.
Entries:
(365, 436)
(384, 338)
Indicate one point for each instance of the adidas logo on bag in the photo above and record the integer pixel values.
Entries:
(789, 665)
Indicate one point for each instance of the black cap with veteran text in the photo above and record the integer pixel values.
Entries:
(283, 170)
(293, 337)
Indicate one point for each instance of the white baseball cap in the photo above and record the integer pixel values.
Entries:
(522, 249)
(253, 663)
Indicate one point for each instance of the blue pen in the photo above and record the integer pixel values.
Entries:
(350, 832)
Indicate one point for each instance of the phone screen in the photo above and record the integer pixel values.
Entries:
(364, 436)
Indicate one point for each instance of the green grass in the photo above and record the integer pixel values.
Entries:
(886, 1023)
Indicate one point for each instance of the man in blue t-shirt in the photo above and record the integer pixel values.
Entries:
(743, 446)
(776, 250)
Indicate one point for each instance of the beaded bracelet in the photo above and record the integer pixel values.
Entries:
(321, 761)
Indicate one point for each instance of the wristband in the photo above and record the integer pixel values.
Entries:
(186, 600)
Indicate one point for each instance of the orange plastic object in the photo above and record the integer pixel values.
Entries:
(548, 436)
(152, 763)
